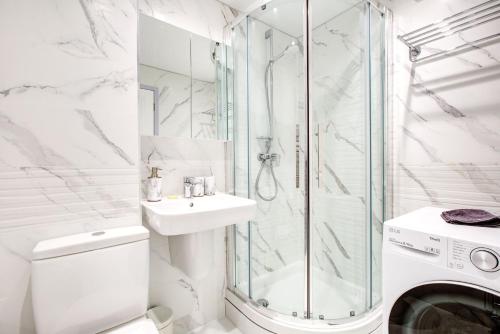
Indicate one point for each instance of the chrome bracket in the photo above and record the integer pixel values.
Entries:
(268, 157)
(415, 51)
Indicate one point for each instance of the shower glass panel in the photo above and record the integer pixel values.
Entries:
(377, 81)
(340, 172)
(265, 98)
(269, 128)
(346, 174)
(237, 104)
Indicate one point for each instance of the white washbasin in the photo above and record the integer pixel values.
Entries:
(178, 216)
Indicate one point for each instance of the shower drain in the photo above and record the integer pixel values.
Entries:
(263, 302)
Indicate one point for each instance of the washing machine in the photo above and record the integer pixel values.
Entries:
(440, 278)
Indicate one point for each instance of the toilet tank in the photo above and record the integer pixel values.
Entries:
(90, 282)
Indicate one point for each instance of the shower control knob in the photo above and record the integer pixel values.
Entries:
(263, 156)
(485, 259)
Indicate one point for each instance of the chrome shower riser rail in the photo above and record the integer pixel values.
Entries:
(468, 19)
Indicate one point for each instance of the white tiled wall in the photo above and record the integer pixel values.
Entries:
(68, 132)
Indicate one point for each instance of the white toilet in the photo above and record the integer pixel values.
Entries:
(92, 283)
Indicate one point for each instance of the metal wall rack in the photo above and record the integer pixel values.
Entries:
(465, 20)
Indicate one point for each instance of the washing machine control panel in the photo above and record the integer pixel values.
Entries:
(469, 257)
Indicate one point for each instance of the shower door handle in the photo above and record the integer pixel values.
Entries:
(297, 156)
(319, 146)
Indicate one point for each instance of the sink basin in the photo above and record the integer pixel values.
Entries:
(184, 216)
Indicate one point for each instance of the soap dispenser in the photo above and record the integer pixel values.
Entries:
(154, 186)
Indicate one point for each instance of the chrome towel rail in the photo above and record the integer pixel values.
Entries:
(470, 18)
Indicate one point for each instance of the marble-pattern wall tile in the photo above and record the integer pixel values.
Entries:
(445, 123)
(195, 300)
(68, 132)
(203, 17)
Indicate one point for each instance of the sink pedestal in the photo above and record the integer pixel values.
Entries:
(193, 253)
(195, 293)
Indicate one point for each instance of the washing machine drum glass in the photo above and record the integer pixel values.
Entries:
(445, 309)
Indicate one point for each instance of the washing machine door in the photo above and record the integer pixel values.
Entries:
(446, 308)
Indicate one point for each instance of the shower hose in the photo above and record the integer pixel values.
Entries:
(267, 157)
(263, 164)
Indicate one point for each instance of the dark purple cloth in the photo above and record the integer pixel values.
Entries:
(471, 217)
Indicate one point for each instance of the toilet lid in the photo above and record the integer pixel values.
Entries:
(140, 326)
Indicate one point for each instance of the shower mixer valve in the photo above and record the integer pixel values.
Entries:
(268, 157)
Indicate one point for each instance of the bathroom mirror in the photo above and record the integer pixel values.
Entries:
(178, 81)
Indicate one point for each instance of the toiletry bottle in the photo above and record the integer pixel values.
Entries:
(198, 186)
(154, 186)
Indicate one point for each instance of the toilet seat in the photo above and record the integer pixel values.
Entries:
(138, 326)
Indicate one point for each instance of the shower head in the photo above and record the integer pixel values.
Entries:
(293, 43)
(299, 45)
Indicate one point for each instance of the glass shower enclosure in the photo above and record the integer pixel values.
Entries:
(305, 100)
